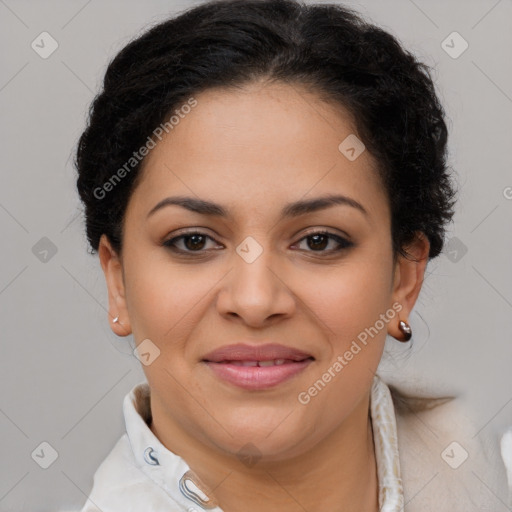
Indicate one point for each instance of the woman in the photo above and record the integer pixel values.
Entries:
(264, 183)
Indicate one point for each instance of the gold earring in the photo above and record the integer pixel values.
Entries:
(406, 330)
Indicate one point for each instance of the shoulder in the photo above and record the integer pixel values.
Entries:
(444, 460)
(119, 485)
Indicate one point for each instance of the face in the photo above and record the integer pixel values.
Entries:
(269, 263)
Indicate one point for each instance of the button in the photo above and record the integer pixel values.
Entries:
(149, 456)
(190, 488)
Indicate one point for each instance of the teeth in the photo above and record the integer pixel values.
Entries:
(272, 362)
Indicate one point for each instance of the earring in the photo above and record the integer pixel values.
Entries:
(116, 319)
(406, 330)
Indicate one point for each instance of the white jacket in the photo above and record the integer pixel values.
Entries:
(427, 461)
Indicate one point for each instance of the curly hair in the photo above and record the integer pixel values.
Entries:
(328, 48)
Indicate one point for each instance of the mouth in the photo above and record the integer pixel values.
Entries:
(257, 367)
(271, 362)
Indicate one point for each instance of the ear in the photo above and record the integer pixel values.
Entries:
(408, 279)
(113, 270)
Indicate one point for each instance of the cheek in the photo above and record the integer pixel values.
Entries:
(352, 306)
(353, 298)
(164, 299)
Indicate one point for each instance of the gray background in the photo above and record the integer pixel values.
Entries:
(64, 373)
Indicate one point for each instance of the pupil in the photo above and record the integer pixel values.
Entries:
(315, 243)
(196, 240)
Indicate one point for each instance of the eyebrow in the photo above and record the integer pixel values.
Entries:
(295, 209)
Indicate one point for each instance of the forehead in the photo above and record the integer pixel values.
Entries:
(263, 144)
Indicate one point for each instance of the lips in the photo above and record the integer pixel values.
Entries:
(257, 367)
(269, 352)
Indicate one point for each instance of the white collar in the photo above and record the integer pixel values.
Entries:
(382, 410)
(171, 472)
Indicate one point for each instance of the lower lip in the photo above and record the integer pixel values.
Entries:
(257, 377)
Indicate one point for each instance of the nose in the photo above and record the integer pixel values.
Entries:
(256, 293)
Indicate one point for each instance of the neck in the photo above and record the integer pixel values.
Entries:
(339, 473)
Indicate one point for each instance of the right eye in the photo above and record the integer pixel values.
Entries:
(192, 242)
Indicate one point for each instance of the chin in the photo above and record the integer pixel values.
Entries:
(257, 438)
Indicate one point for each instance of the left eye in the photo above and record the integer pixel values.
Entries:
(319, 240)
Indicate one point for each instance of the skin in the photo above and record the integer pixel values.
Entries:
(252, 150)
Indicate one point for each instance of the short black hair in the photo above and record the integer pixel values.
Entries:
(329, 48)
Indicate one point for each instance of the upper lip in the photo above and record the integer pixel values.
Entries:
(243, 352)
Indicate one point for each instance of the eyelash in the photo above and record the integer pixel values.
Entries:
(343, 242)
